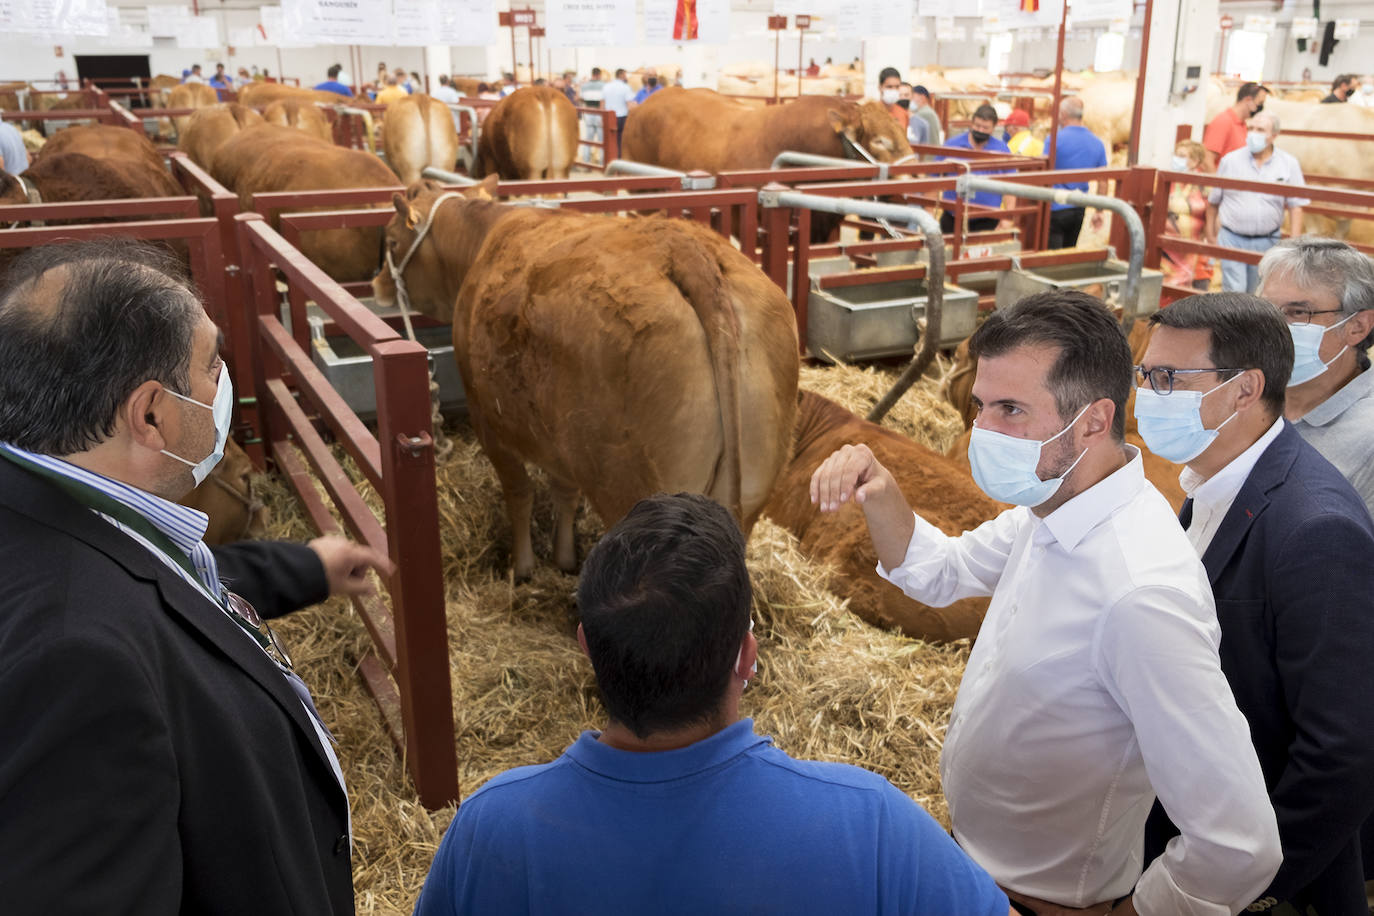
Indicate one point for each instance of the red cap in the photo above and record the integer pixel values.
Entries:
(1018, 117)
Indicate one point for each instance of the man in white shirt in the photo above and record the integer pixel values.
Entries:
(1287, 544)
(449, 96)
(1252, 220)
(616, 95)
(1095, 680)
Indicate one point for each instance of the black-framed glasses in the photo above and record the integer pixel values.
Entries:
(251, 620)
(1161, 378)
(1301, 314)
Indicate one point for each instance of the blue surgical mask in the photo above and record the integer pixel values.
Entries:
(1256, 141)
(1307, 342)
(1179, 163)
(223, 411)
(1171, 424)
(1004, 466)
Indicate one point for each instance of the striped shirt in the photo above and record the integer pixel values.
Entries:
(185, 528)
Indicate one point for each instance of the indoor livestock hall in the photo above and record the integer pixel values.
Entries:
(593, 457)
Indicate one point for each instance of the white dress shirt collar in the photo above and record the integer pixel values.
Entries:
(1212, 496)
(1071, 522)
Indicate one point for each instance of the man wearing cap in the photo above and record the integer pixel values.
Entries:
(1020, 140)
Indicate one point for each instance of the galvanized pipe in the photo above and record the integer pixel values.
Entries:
(691, 181)
(792, 157)
(448, 177)
(917, 218)
(1130, 294)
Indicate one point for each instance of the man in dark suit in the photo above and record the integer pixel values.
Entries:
(1287, 544)
(160, 755)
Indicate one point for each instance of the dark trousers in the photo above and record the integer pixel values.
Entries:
(1064, 227)
(975, 224)
(619, 133)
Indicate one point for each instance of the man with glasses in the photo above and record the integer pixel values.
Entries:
(160, 754)
(1325, 290)
(678, 806)
(1287, 543)
(1095, 681)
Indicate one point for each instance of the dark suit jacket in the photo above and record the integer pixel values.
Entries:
(1292, 569)
(152, 758)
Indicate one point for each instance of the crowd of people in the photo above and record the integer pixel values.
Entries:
(1161, 714)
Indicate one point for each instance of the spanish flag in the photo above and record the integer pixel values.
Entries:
(685, 22)
(1030, 6)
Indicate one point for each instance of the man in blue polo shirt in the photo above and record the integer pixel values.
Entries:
(1075, 147)
(678, 806)
(979, 137)
(334, 84)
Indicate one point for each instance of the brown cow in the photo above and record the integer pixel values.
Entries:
(940, 490)
(227, 496)
(418, 132)
(260, 95)
(624, 357)
(467, 85)
(210, 128)
(305, 116)
(699, 129)
(530, 134)
(98, 162)
(189, 95)
(271, 158)
(959, 392)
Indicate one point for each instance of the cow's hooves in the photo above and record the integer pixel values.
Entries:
(521, 576)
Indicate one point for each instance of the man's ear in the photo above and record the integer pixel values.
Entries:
(142, 415)
(1100, 416)
(1358, 327)
(582, 641)
(748, 657)
(1251, 384)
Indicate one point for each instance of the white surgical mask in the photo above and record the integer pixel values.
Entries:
(890, 96)
(1004, 466)
(1171, 424)
(222, 410)
(1256, 141)
(1179, 163)
(1307, 342)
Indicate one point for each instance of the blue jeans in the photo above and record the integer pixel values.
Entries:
(1237, 275)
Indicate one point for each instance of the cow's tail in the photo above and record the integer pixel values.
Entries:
(697, 273)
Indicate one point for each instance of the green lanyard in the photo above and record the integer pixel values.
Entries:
(108, 505)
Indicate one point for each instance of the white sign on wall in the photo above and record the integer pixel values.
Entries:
(1346, 28)
(272, 25)
(937, 8)
(199, 32)
(341, 22)
(467, 23)
(589, 23)
(243, 38)
(168, 21)
(865, 19)
(1303, 27)
(1263, 24)
(1100, 10)
(54, 17)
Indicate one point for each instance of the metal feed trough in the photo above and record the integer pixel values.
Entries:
(350, 371)
(1109, 278)
(880, 319)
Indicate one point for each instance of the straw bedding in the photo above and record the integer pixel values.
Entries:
(829, 686)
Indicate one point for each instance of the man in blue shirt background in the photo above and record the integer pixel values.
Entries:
(678, 806)
(221, 82)
(334, 84)
(979, 137)
(649, 88)
(1075, 147)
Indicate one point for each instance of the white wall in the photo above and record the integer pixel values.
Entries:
(1284, 62)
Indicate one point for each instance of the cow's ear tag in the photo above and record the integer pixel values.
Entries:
(836, 120)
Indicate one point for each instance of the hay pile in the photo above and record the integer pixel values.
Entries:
(829, 687)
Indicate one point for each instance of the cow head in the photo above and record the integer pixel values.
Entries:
(870, 126)
(432, 270)
(11, 191)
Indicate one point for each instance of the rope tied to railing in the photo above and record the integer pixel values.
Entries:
(442, 444)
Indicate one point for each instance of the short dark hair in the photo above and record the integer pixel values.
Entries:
(620, 73)
(1248, 91)
(71, 356)
(334, 71)
(483, 87)
(888, 72)
(1340, 81)
(985, 112)
(664, 600)
(596, 72)
(1094, 359)
(1246, 332)
(921, 91)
